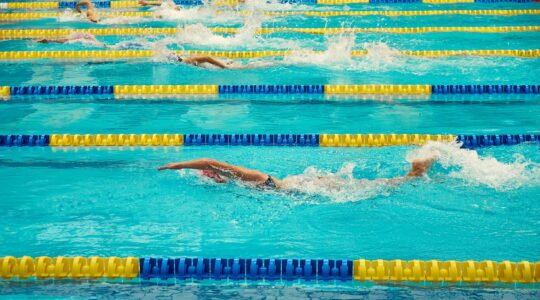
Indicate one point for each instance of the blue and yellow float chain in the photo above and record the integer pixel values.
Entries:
(11, 34)
(17, 16)
(270, 269)
(121, 91)
(100, 55)
(244, 139)
(133, 3)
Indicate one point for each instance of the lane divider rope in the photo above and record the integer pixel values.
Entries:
(48, 33)
(125, 54)
(121, 91)
(128, 4)
(13, 16)
(271, 269)
(313, 140)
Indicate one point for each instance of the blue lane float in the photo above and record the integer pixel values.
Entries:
(71, 4)
(24, 140)
(271, 89)
(252, 139)
(477, 141)
(61, 90)
(246, 269)
(484, 89)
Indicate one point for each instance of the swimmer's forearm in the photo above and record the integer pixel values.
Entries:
(198, 164)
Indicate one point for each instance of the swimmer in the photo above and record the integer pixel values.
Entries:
(76, 36)
(204, 60)
(218, 171)
(168, 4)
(90, 10)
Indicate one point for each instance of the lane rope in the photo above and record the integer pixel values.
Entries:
(52, 33)
(254, 269)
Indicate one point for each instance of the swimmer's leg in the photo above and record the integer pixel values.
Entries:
(419, 167)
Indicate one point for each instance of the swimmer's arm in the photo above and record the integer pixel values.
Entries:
(88, 4)
(222, 168)
(198, 164)
(203, 164)
(149, 3)
(205, 59)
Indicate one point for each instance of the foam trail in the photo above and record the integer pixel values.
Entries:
(139, 43)
(468, 166)
(338, 55)
(463, 164)
(340, 186)
(69, 16)
(207, 14)
(199, 34)
(269, 5)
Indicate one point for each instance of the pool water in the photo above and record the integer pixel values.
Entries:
(113, 202)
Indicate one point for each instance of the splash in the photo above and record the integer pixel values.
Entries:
(338, 53)
(246, 36)
(207, 14)
(69, 16)
(340, 186)
(468, 166)
(268, 5)
(139, 43)
(338, 56)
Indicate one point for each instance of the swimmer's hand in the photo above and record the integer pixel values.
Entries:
(171, 166)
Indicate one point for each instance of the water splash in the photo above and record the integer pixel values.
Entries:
(271, 5)
(139, 43)
(207, 14)
(340, 186)
(473, 169)
(465, 165)
(69, 16)
(338, 56)
(199, 34)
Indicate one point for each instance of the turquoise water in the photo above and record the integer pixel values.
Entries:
(112, 201)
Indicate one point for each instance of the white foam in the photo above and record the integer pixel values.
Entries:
(270, 5)
(465, 165)
(199, 34)
(338, 55)
(139, 43)
(69, 16)
(473, 169)
(207, 14)
(340, 186)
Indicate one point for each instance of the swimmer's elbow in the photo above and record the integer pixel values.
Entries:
(208, 163)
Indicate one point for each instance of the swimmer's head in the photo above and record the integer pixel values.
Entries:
(173, 57)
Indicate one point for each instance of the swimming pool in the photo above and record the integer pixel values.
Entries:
(71, 200)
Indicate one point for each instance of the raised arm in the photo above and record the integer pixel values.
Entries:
(205, 59)
(149, 3)
(222, 168)
(88, 4)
